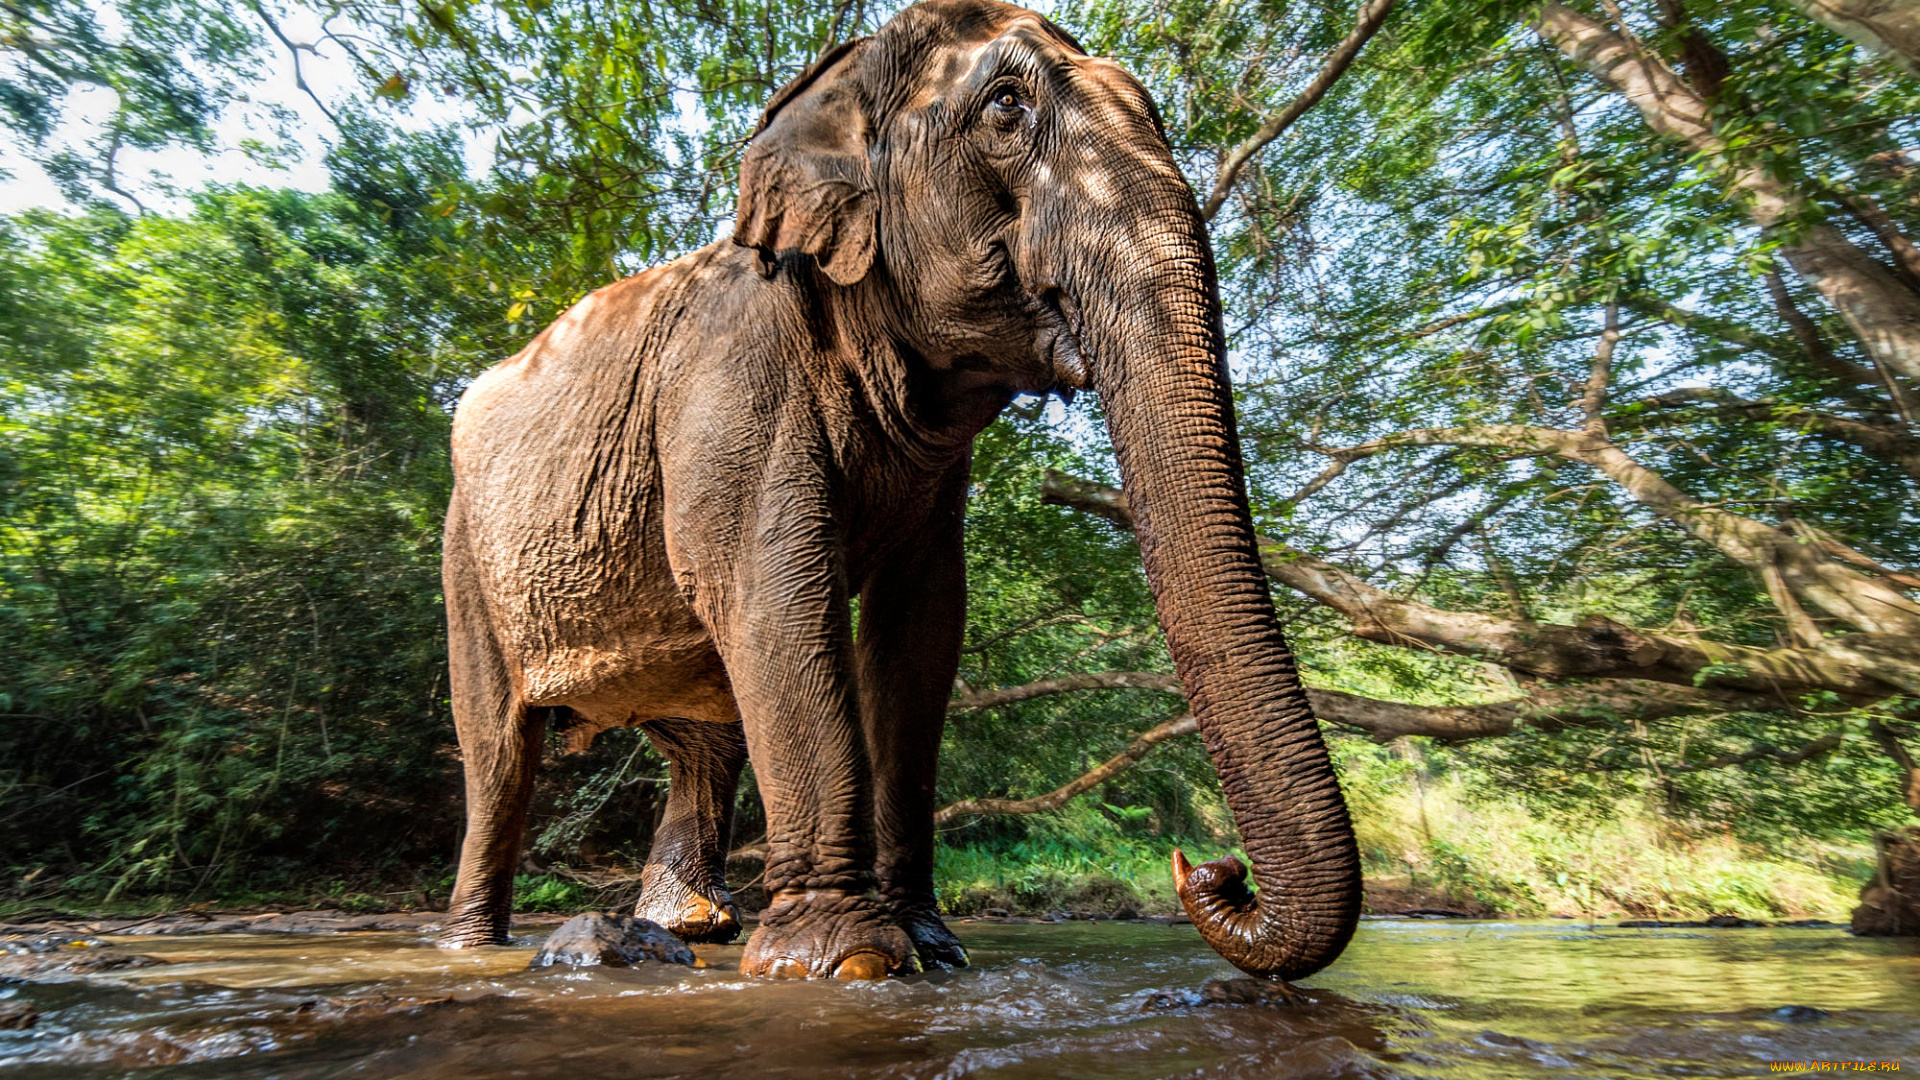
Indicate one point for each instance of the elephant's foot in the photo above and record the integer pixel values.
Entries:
(692, 915)
(818, 935)
(472, 929)
(935, 944)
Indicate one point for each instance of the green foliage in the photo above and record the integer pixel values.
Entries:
(618, 128)
(223, 471)
(1438, 828)
(1083, 858)
(222, 441)
(547, 892)
(170, 66)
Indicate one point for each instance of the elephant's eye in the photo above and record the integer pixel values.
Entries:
(1007, 100)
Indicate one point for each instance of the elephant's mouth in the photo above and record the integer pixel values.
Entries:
(1059, 339)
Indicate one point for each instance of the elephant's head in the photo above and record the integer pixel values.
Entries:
(1007, 207)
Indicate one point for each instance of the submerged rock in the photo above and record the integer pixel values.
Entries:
(61, 957)
(17, 1015)
(611, 941)
(1228, 992)
(332, 1008)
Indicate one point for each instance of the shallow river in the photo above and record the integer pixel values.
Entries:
(1110, 1000)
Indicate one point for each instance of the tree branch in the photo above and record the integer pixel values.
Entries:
(1886, 441)
(1882, 313)
(1547, 707)
(1852, 378)
(1815, 344)
(1372, 14)
(1596, 648)
(1839, 591)
(1838, 550)
(1866, 210)
(1890, 30)
(1825, 744)
(1383, 721)
(1594, 401)
(974, 700)
(293, 53)
(1183, 724)
(1890, 743)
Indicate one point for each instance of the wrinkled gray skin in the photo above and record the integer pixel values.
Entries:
(665, 503)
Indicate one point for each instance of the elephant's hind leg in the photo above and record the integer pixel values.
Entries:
(684, 887)
(500, 741)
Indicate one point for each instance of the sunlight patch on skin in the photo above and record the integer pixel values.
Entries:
(954, 72)
(1097, 187)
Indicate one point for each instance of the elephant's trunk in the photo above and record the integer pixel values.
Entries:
(1149, 320)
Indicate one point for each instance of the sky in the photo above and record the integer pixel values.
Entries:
(153, 175)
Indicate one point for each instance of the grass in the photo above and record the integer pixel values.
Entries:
(1042, 874)
(1434, 839)
(1433, 843)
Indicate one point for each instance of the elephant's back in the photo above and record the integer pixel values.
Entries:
(556, 498)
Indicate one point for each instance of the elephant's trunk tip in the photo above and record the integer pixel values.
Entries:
(1228, 916)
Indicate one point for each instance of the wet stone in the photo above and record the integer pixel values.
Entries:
(23, 944)
(1496, 1038)
(329, 1008)
(39, 960)
(1799, 1014)
(1249, 992)
(611, 941)
(17, 1015)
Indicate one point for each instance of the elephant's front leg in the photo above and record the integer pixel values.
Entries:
(781, 621)
(913, 615)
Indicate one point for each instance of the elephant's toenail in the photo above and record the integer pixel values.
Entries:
(787, 968)
(862, 966)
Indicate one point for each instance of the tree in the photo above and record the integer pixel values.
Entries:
(170, 68)
(1589, 363)
(219, 562)
(617, 130)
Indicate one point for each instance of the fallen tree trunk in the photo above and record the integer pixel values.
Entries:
(1381, 720)
(1857, 666)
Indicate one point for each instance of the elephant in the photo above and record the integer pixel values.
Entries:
(667, 502)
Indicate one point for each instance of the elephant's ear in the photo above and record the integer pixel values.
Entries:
(805, 184)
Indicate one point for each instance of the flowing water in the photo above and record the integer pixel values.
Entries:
(1111, 1000)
